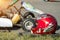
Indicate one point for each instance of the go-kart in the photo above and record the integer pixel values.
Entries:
(6, 21)
(17, 18)
(43, 24)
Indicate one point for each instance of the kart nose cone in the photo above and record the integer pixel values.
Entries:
(4, 22)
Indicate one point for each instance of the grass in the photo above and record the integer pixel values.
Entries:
(16, 36)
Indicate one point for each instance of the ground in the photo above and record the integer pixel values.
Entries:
(52, 8)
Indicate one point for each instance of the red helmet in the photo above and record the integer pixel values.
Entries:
(47, 24)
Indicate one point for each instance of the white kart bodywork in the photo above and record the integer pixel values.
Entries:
(30, 8)
(5, 22)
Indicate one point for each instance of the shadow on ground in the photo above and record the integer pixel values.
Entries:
(58, 27)
(16, 28)
(10, 28)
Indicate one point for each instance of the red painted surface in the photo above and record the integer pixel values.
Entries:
(44, 23)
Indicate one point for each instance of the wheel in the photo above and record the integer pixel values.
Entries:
(28, 24)
(29, 15)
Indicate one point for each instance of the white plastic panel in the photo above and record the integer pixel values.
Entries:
(4, 22)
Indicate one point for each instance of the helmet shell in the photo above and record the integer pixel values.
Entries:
(47, 24)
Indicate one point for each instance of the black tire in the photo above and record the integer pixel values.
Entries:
(46, 0)
(26, 24)
(29, 14)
